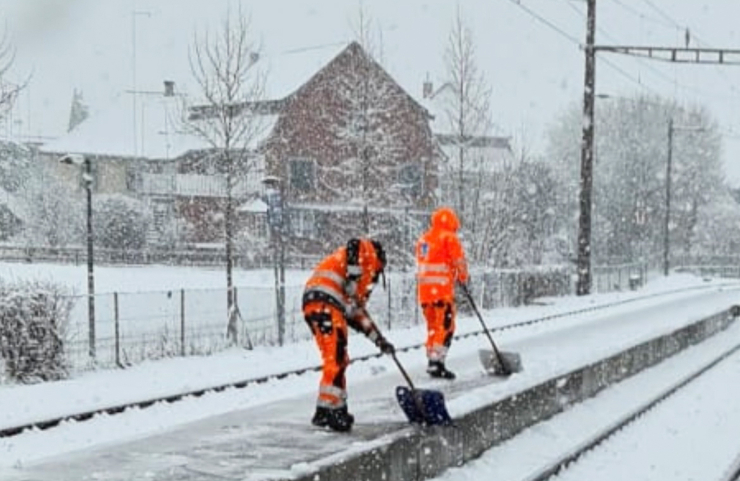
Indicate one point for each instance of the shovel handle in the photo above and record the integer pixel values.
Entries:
(480, 318)
(395, 359)
(403, 371)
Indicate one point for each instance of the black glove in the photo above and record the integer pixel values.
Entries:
(385, 346)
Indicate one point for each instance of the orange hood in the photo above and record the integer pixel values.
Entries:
(444, 218)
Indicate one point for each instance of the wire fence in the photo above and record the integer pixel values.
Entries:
(134, 327)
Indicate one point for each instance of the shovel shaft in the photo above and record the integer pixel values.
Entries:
(482, 322)
(398, 363)
(403, 371)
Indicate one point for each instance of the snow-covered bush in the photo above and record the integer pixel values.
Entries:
(120, 222)
(58, 214)
(33, 321)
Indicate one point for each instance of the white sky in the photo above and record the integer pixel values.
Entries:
(534, 71)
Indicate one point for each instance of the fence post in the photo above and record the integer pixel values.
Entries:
(116, 320)
(182, 322)
(390, 288)
(414, 302)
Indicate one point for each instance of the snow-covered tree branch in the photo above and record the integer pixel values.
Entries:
(225, 68)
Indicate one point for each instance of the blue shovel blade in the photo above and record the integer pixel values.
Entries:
(423, 406)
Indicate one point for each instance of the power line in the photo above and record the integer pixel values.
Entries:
(657, 72)
(670, 25)
(662, 13)
(691, 33)
(608, 62)
(574, 40)
(547, 22)
(627, 75)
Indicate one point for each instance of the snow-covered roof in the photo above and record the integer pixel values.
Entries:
(254, 206)
(353, 208)
(160, 134)
(485, 154)
(110, 131)
(285, 72)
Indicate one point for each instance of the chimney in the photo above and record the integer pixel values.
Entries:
(428, 89)
(169, 88)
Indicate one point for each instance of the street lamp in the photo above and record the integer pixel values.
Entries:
(276, 219)
(81, 161)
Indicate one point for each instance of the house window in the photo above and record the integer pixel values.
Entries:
(302, 173)
(133, 179)
(303, 224)
(410, 179)
(256, 225)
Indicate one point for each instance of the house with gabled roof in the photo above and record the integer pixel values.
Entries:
(354, 152)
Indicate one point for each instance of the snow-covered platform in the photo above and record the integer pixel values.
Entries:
(276, 442)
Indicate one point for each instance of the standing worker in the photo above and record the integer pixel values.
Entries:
(440, 261)
(335, 297)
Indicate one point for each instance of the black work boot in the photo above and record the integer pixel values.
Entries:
(437, 369)
(341, 420)
(321, 417)
(336, 419)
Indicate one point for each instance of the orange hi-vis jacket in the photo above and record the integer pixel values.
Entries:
(345, 279)
(440, 259)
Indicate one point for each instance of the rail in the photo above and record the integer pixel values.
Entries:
(85, 415)
(570, 458)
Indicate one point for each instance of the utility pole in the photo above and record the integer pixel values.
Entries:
(666, 223)
(706, 56)
(583, 286)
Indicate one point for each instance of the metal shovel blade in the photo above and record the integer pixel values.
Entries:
(423, 406)
(509, 364)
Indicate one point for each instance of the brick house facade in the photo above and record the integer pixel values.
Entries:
(356, 156)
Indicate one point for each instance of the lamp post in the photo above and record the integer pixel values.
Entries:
(276, 220)
(84, 162)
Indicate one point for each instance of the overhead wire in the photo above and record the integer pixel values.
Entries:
(577, 42)
(692, 32)
(729, 133)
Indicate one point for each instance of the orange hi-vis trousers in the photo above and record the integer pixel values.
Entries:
(440, 317)
(329, 328)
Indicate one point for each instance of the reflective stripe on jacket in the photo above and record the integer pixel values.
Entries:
(329, 283)
(440, 261)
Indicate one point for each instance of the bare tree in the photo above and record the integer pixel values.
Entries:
(8, 90)
(368, 33)
(366, 98)
(467, 110)
(631, 155)
(226, 71)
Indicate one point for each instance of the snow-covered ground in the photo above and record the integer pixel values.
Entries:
(154, 303)
(690, 436)
(544, 347)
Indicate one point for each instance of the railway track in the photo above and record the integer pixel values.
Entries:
(85, 415)
(570, 459)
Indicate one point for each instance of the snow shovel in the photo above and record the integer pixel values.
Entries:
(421, 406)
(496, 363)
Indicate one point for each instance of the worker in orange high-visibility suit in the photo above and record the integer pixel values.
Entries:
(440, 261)
(335, 297)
